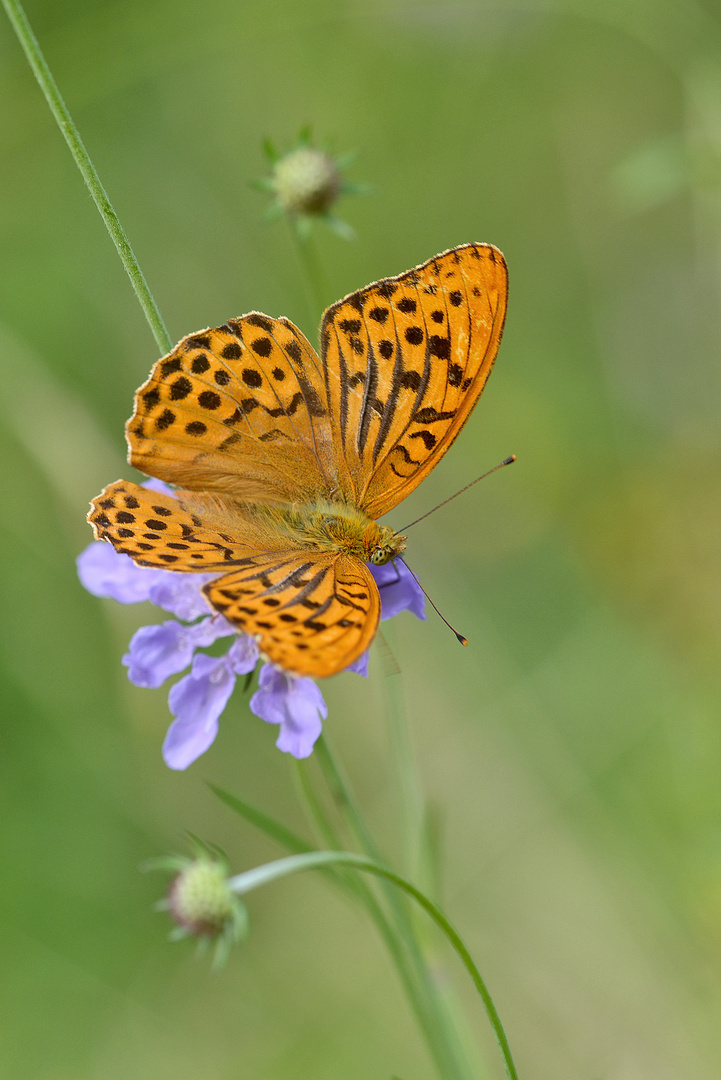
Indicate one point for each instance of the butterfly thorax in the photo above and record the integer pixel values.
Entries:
(337, 527)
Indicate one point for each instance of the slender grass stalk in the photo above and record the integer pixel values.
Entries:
(70, 133)
(399, 736)
(455, 1060)
(293, 864)
(394, 942)
(314, 276)
(415, 817)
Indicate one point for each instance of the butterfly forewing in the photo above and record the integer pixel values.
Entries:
(240, 410)
(405, 361)
(313, 614)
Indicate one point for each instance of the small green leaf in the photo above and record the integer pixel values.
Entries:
(305, 135)
(263, 183)
(270, 151)
(274, 211)
(341, 228)
(287, 839)
(172, 863)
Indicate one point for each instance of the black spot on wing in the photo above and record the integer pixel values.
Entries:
(263, 346)
(427, 437)
(260, 321)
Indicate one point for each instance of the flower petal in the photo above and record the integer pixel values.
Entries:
(159, 651)
(103, 571)
(197, 702)
(293, 702)
(399, 590)
(360, 666)
(242, 654)
(180, 594)
(160, 486)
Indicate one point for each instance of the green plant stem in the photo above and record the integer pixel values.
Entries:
(59, 110)
(415, 818)
(402, 750)
(264, 875)
(393, 942)
(454, 1063)
(313, 271)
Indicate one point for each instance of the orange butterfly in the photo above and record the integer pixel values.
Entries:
(285, 459)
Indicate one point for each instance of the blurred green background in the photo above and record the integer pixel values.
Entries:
(575, 747)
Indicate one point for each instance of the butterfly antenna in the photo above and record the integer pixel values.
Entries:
(463, 640)
(508, 461)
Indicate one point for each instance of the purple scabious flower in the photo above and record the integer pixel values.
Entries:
(196, 701)
(295, 703)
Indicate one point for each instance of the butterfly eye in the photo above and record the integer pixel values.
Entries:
(381, 555)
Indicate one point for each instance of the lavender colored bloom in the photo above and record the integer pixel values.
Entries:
(159, 651)
(105, 572)
(293, 702)
(198, 700)
(399, 590)
(360, 666)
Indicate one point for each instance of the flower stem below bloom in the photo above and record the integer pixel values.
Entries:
(264, 875)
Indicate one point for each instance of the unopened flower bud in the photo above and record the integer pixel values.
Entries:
(306, 181)
(200, 901)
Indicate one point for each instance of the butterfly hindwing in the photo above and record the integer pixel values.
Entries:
(239, 410)
(313, 614)
(405, 361)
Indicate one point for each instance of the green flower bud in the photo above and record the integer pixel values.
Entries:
(306, 181)
(200, 901)
(305, 184)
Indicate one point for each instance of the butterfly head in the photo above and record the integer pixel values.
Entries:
(384, 545)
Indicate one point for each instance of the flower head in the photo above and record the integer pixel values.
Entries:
(306, 182)
(201, 902)
(199, 899)
(197, 700)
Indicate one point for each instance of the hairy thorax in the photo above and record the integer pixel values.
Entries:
(335, 526)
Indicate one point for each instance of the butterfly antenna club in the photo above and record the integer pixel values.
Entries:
(508, 461)
(463, 640)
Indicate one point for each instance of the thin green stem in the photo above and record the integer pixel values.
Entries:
(59, 110)
(293, 864)
(403, 753)
(454, 1062)
(342, 793)
(394, 943)
(312, 269)
(416, 831)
